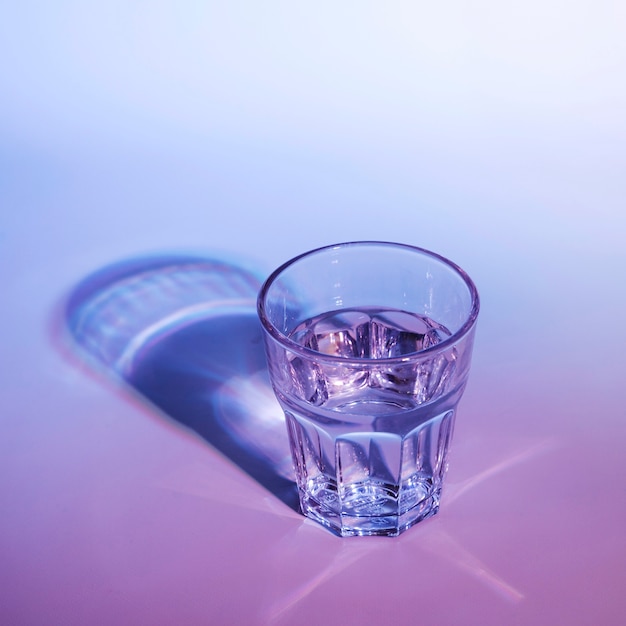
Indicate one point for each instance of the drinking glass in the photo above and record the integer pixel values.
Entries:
(369, 347)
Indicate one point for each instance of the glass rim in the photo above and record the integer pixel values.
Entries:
(309, 353)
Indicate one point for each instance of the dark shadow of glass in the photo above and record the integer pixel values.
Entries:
(183, 332)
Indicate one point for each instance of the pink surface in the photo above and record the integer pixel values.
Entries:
(494, 137)
(119, 515)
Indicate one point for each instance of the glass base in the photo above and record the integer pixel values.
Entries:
(384, 524)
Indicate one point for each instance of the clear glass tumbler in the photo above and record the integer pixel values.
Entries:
(369, 347)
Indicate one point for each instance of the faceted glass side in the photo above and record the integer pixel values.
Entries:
(370, 483)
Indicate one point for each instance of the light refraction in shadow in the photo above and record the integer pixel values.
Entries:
(432, 539)
(183, 331)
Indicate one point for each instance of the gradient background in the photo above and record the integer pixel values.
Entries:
(492, 133)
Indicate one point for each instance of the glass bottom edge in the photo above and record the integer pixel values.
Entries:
(345, 525)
